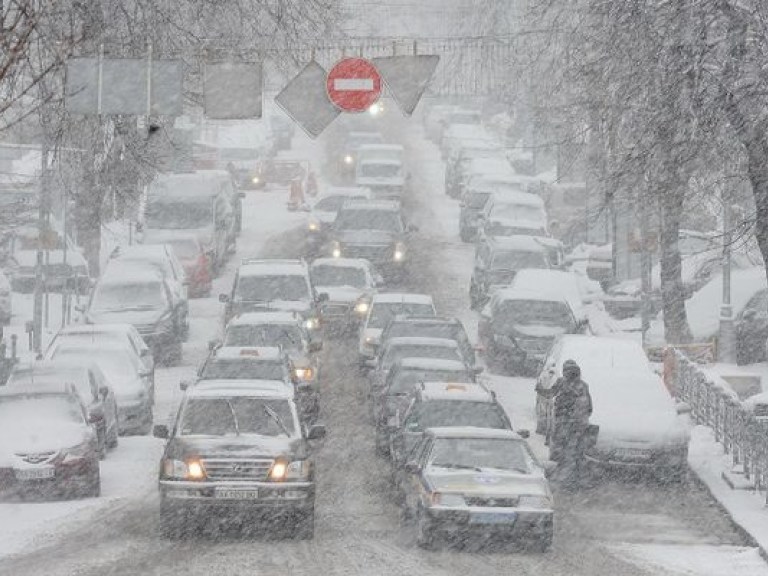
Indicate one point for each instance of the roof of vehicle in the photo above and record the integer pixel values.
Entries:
(131, 273)
(87, 329)
(56, 389)
(421, 341)
(56, 256)
(401, 298)
(423, 319)
(466, 131)
(364, 134)
(52, 367)
(472, 432)
(606, 351)
(454, 391)
(545, 294)
(427, 364)
(381, 160)
(255, 318)
(250, 388)
(360, 263)
(272, 267)
(347, 191)
(494, 165)
(517, 197)
(181, 192)
(246, 353)
(360, 204)
(479, 145)
(516, 242)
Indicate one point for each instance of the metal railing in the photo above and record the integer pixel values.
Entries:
(743, 433)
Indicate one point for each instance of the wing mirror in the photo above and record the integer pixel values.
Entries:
(683, 408)
(223, 298)
(323, 297)
(524, 434)
(317, 432)
(184, 384)
(213, 344)
(315, 345)
(161, 431)
(412, 467)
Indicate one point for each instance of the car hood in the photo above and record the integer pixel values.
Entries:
(324, 216)
(366, 237)
(537, 331)
(487, 483)
(392, 181)
(127, 389)
(248, 446)
(134, 317)
(21, 438)
(280, 305)
(345, 294)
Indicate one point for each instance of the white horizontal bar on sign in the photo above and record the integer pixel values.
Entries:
(353, 84)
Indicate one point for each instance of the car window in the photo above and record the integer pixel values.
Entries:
(267, 288)
(439, 413)
(481, 453)
(382, 312)
(237, 416)
(231, 369)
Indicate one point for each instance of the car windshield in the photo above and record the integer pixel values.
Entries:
(38, 410)
(518, 259)
(384, 220)
(111, 297)
(395, 353)
(60, 375)
(380, 170)
(383, 312)
(179, 214)
(404, 380)
(226, 369)
(481, 453)
(286, 335)
(331, 203)
(533, 312)
(438, 413)
(288, 287)
(237, 416)
(323, 275)
(425, 330)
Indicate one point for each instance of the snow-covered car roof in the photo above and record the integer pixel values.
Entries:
(421, 341)
(602, 352)
(248, 353)
(29, 257)
(466, 132)
(180, 189)
(273, 268)
(430, 364)
(347, 191)
(517, 242)
(360, 263)
(131, 273)
(88, 329)
(542, 294)
(401, 298)
(360, 204)
(382, 148)
(517, 197)
(552, 281)
(255, 318)
(473, 432)
(381, 160)
(492, 165)
(252, 388)
(454, 391)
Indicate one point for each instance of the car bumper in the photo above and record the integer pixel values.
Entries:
(638, 460)
(66, 479)
(271, 496)
(520, 523)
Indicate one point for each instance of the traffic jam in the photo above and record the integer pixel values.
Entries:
(372, 352)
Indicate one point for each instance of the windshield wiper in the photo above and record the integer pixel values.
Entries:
(234, 417)
(456, 466)
(269, 411)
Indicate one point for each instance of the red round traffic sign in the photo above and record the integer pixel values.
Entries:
(353, 84)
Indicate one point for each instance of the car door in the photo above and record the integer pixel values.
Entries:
(410, 482)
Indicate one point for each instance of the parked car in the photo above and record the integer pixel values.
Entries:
(497, 260)
(555, 282)
(430, 327)
(472, 204)
(57, 274)
(374, 230)
(91, 385)
(136, 296)
(517, 327)
(195, 263)
(347, 282)
(462, 155)
(323, 212)
(6, 307)
(440, 404)
(382, 308)
(277, 174)
(496, 166)
(268, 470)
(134, 392)
(387, 178)
(465, 480)
(640, 426)
(199, 203)
(347, 160)
(124, 335)
(456, 135)
(400, 384)
(49, 446)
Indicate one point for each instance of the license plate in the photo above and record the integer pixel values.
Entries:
(237, 494)
(492, 519)
(35, 473)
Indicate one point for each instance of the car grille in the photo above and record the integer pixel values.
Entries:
(375, 253)
(633, 453)
(490, 502)
(37, 457)
(235, 469)
(334, 310)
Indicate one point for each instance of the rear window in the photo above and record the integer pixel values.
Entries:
(439, 413)
(231, 369)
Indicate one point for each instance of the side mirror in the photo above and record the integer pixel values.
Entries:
(524, 434)
(80, 308)
(412, 467)
(213, 344)
(315, 345)
(184, 384)
(317, 432)
(223, 298)
(683, 408)
(549, 468)
(322, 297)
(161, 431)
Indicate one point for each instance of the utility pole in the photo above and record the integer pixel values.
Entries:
(43, 226)
(726, 343)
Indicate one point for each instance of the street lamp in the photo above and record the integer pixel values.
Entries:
(726, 343)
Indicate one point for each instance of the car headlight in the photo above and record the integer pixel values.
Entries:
(504, 340)
(311, 323)
(441, 499)
(183, 470)
(305, 374)
(295, 470)
(255, 179)
(362, 307)
(336, 250)
(348, 159)
(399, 254)
(536, 502)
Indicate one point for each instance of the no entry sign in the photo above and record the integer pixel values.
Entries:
(353, 84)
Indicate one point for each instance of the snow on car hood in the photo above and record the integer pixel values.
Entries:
(366, 237)
(633, 408)
(345, 294)
(491, 483)
(134, 317)
(20, 437)
(204, 235)
(538, 331)
(272, 305)
(247, 445)
(380, 181)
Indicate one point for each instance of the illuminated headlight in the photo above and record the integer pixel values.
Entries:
(336, 251)
(399, 254)
(537, 502)
(311, 323)
(362, 307)
(440, 499)
(348, 159)
(305, 374)
(313, 226)
(296, 470)
(255, 180)
(376, 109)
(180, 470)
